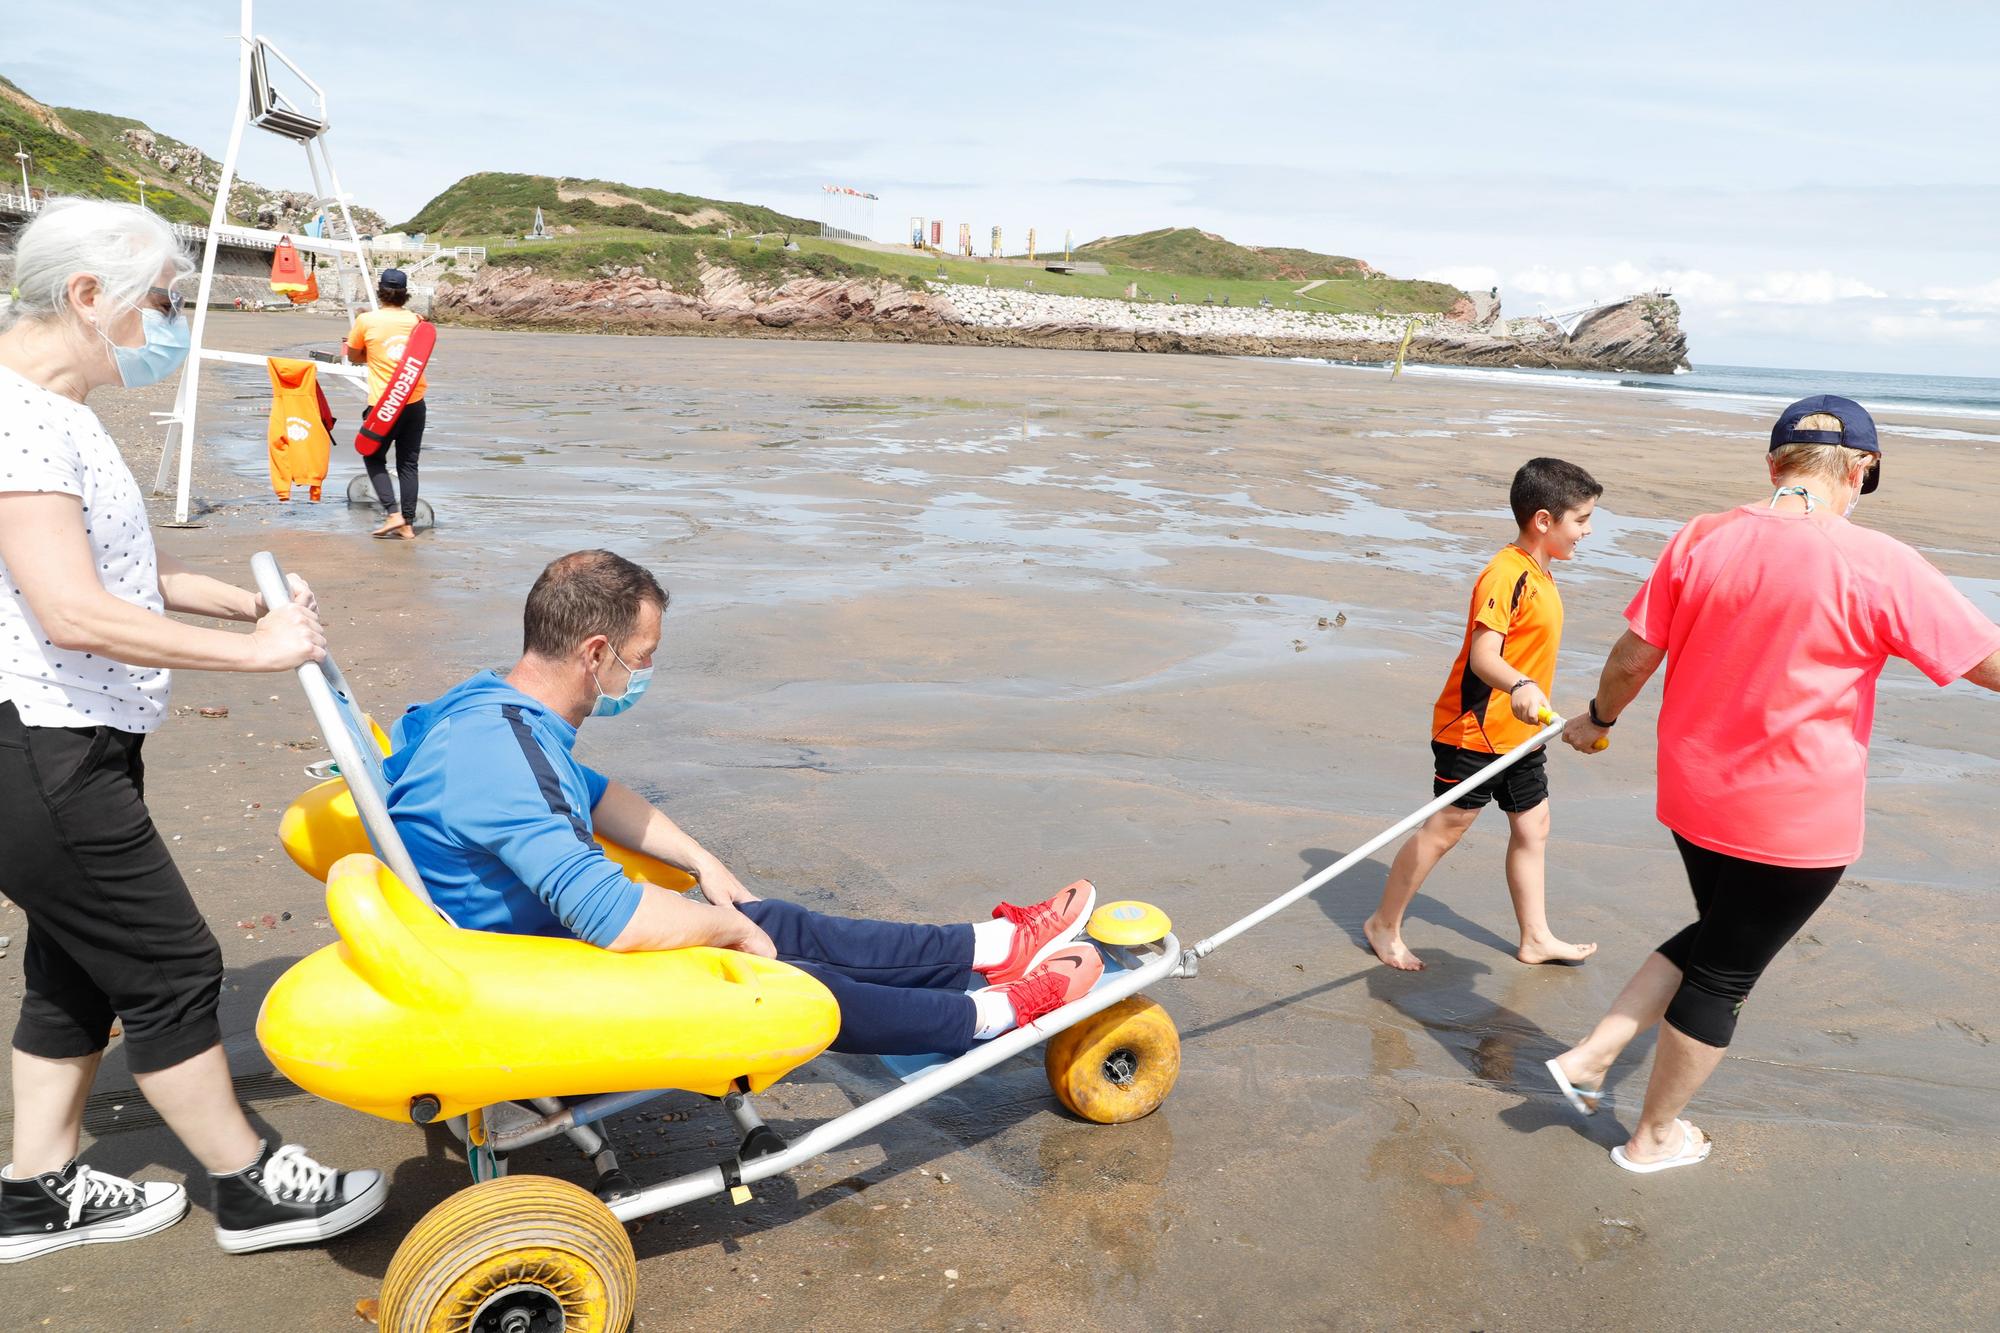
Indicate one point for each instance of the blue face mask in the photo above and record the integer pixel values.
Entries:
(611, 705)
(166, 346)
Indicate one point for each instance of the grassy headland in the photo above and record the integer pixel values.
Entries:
(604, 225)
(89, 159)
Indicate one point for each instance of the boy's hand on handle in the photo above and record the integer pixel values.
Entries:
(1585, 736)
(287, 637)
(1529, 703)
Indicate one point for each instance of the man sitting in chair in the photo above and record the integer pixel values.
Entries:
(499, 818)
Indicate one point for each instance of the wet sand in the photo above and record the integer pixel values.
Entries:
(952, 625)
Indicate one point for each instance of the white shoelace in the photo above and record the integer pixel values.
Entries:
(89, 1187)
(297, 1178)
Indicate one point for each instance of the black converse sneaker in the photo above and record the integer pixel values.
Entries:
(79, 1206)
(286, 1198)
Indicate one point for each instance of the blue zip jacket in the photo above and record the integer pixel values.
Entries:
(496, 813)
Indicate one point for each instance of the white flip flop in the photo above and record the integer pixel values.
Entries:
(1584, 1100)
(1694, 1148)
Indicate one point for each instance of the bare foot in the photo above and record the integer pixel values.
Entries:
(1549, 949)
(1388, 946)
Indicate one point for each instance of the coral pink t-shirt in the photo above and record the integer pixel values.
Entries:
(1776, 626)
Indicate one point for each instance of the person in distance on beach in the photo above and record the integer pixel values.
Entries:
(1497, 687)
(378, 338)
(86, 657)
(1774, 621)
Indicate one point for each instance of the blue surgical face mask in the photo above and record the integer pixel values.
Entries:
(166, 346)
(611, 705)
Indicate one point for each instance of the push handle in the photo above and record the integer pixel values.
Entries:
(325, 687)
(1548, 717)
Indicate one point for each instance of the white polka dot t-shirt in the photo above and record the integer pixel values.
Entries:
(52, 443)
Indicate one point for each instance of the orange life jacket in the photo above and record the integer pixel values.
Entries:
(300, 422)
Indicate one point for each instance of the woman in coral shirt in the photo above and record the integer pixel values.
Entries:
(1774, 621)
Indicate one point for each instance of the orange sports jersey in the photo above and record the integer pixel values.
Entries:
(1517, 599)
(382, 333)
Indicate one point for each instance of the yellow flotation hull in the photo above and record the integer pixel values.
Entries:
(407, 1006)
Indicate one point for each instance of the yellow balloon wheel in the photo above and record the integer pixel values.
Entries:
(526, 1253)
(1118, 1065)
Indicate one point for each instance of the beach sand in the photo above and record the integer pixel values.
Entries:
(955, 625)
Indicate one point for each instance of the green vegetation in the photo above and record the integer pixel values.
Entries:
(89, 161)
(675, 261)
(504, 203)
(1204, 254)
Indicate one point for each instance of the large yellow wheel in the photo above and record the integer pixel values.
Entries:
(524, 1254)
(1117, 1065)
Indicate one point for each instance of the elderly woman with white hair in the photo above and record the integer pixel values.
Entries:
(1774, 621)
(86, 656)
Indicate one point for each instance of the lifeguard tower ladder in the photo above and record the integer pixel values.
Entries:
(261, 104)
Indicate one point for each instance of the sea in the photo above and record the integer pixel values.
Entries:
(1944, 395)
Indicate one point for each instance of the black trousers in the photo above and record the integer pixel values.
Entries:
(407, 438)
(112, 931)
(1746, 911)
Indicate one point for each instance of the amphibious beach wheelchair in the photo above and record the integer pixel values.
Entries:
(410, 1018)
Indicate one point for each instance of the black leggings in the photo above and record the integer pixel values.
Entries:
(407, 435)
(1746, 911)
(113, 933)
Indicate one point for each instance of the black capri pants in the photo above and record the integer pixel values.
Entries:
(406, 437)
(113, 933)
(1746, 911)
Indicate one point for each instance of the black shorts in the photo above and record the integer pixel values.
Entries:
(113, 933)
(1520, 788)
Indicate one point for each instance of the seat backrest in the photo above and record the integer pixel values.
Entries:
(350, 737)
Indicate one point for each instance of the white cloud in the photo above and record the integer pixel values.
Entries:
(1819, 287)
(1983, 298)
(1929, 326)
(1465, 277)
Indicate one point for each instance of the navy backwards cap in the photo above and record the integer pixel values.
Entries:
(396, 280)
(1857, 430)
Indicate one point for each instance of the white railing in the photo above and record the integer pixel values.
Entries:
(257, 238)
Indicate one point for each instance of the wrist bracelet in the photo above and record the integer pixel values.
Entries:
(1525, 680)
(1598, 721)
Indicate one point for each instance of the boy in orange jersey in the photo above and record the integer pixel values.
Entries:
(1498, 686)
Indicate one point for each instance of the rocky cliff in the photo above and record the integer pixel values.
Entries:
(1642, 334)
(261, 206)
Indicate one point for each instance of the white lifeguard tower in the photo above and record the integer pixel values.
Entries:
(302, 119)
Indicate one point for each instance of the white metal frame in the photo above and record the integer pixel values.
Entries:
(261, 106)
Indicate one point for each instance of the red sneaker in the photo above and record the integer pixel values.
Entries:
(1042, 929)
(1065, 975)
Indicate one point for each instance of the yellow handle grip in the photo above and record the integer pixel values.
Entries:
(1546, 715)
(1603, 743)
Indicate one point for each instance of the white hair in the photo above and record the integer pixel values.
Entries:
(123, 246)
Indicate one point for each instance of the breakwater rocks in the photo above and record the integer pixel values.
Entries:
(1641, 334)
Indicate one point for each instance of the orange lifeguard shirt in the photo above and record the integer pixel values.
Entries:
(382, 334)
(1516, 598)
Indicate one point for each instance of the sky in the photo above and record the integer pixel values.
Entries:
(1818, 185)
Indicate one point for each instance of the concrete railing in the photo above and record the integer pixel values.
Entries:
(255, 238)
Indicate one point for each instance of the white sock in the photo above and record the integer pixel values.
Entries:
(992, 941)
(992, 1014)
